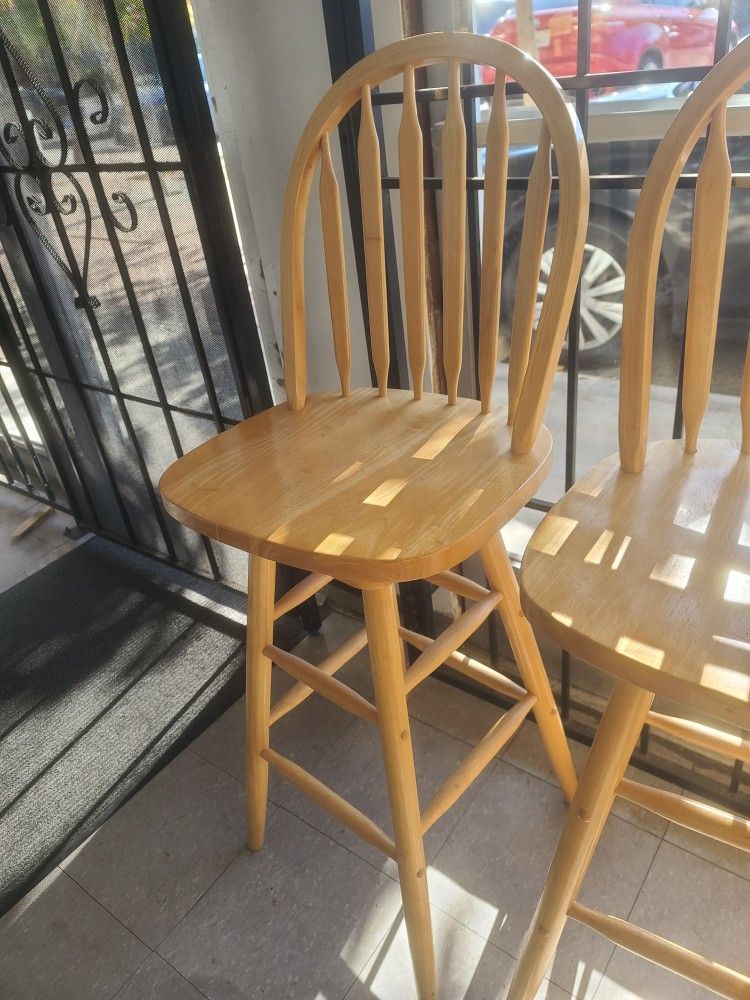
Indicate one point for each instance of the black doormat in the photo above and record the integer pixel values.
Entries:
(110, 664)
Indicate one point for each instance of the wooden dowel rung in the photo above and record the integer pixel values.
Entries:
(476, 761)
(338, 658)
(325, 797)
(470, 667)
(441, 648)
(300, 593)
(333, 249)
(706, 737)
(674, 957)
(718, 824)
(458, 584)
(329, 687)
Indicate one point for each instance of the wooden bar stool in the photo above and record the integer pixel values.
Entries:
(378, 486)
(643, 568)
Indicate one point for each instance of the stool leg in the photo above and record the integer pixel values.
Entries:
(523, 643)
(609, 755)
(387, 654)
(260, 583)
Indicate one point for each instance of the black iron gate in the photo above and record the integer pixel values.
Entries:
(126, 324)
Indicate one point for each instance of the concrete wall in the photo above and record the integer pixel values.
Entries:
(267, 66)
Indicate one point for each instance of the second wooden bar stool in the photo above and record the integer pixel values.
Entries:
(643, 568)
(378, 486)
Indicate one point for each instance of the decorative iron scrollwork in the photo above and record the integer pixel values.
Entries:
(33, 133)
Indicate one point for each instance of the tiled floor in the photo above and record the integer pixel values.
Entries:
(165, 903)
(45, 543)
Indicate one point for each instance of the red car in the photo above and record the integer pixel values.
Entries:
(625, 35)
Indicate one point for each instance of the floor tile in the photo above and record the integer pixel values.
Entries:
(491, 871)
(353, 767)
(156, 980)
(468, 966)
(308, 731)
(151, 861)
(298, 919)
(694, 903)
(453, 711)
(731, 858)
(59, 944)
(526, 751)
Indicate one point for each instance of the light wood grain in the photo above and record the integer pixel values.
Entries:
(501, 577)
(333, 248)
(707, 820)
(476, 761)
(647, 576)
(468, 666)
(605, 766)
(529, 265)
(570, 157)
(300, 593)
(645, 248)
(364, 489)
(714, 976)
(387, 655)
(368, 153)
(454, 231)
(493, 231)
(449, 640)
(260, 587)
(728, 745)
(324, 683)
(460, 585)
(411, 171)
(330, 665)
(710, 221)
(329, 800)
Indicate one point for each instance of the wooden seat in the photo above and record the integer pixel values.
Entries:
(377, 486)
(274, 486)
(648, 576)
(643, 568)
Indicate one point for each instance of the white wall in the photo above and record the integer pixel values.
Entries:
(267, 65)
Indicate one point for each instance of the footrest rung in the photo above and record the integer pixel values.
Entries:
(718, 824)
(659, 950)
(331, 665)
(340, 694)
(460, 585)
(476, 760)
(449, 641)
(470, 667)
(325, 797)
(300, 593)
(706, 737)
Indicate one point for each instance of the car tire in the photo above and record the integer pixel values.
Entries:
(650, 60)
(602, 287)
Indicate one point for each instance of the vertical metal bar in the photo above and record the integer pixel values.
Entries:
(177, 58)
(62, 72)
(52, 315)
(38, 413)
(23, 434)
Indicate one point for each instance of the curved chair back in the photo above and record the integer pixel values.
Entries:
(705, 109)
(532, 367)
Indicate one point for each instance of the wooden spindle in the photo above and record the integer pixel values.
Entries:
(368, 150)
(333, 249)
(454, 231)
(411, 171)
(710, 220)
(493, 228)
(529, 265)
(745, 403)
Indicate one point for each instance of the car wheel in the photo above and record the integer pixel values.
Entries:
(650, 61)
